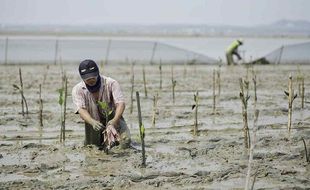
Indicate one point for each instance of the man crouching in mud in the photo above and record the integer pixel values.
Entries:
(96, 89)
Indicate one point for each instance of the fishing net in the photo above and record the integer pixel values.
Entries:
(101, 50)
(289, 54)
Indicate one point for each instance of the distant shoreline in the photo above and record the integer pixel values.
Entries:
(137, 35)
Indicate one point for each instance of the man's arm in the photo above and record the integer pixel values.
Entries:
(120, 107)
(88, 119)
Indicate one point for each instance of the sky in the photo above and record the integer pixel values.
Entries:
(212, 12)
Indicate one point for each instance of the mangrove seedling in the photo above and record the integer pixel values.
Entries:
(63, 103)
(40, 107)
(291, 98)
(106, 111)
(244, 99)
(21, 91)
(195, 106)
(306, 150)
(155, 99)
(174, 83)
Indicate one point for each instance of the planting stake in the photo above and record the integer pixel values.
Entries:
(107, 52)
(144, 82)
(153, 53)
(41, 108)
(132, 86)
(6, 51)
(141, 127)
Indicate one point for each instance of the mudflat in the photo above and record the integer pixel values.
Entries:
(32, 156)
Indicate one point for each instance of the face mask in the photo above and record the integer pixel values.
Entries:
(96, 87)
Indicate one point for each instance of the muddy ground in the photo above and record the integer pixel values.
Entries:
(32, 156)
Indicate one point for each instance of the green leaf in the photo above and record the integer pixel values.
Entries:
(103, 105)
(110, 112)
(142, 131)
(61, 96)
(16, 87)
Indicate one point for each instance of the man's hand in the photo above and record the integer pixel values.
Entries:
(112, 122)
(96, 125)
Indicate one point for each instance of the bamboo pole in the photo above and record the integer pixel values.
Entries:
(280, 55)
(132, 86)
(255, 94)
(6, 51)
(41, 107)
(21, 91)
(144, 82)
(153, 53)
(214, 96)
(244, 100)
(107, 52)
(173, 82)
(141, 127)
(65, 108)
(56, 51)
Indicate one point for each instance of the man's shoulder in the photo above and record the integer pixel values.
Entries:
(79, 86)
(108, 80)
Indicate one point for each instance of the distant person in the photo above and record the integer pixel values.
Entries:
(233, 50)
(99, 130)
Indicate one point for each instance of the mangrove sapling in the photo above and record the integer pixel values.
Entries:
(252, 146)
(155, 99)
(107, 112)
(132, 80)
(160, 76)
(195, 106)
(63, 104)
(244, 99)
(21, 91)
(144, 82)
(306, 150)
(219, 81)
(174, 83)
(40, 107)
(141, 129)
(291, 98)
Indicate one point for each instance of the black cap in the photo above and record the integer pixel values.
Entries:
(88, 68)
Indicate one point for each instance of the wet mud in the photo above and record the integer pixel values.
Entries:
(32, 156)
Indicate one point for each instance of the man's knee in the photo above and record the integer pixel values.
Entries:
(125, 138)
